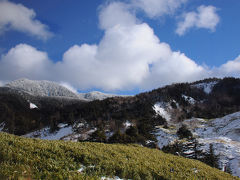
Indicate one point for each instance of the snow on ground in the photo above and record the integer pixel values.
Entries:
(2, 126)
(45, 133)
(161, 109)
(207, 87)
(78, 136)
(33, 106)
(107, 178)
(189, 99)
(83, 168)
(224, 134)
(127, 124)
(228, 151)
(165, 137)
(227, 126)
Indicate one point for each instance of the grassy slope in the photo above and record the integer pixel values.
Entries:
(41, 159)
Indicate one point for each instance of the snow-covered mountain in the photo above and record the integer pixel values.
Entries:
(41, 88)
(53, 89)
(95, 95)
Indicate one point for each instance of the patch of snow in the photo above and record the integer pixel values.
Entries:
(78, 136)
(224, 134)
(207, 87)
(161, 109)
(189, 99)
(80, 125)
(149, 141)
(195, 170)
(2, 126)
(108, 133)
(227, 126)
(228, 152)
(127, 124)
(81, 169)
(45, 133)
(114, 178)
(33, 106)
(188, 152)
(164, 137)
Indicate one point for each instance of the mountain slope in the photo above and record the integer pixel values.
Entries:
(153, 115)
(52, 89)
(39, 159)
(41, 88)
(95, 95)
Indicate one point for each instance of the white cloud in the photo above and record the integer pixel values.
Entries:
(230, 68)
(116, 13)
(24, 61)
(128, 56)
(156, 8)
(20, 18)
(205, 17)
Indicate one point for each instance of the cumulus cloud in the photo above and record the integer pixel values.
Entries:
(205, 17)
(230, 68)
(114, 14)
(20, 18)
(156, 8)
(24, 61)
(128, 56)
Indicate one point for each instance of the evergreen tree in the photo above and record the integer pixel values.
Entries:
(98, 136)
(210, 158)
(184, 132)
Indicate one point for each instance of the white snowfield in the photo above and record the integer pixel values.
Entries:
(44, 133)
(207, 87)
(224, 134)
(164, 137)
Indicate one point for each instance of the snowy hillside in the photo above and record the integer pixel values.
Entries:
(52, 89)
(206, 86)
(95, 95)
(223, 133)
(41, 88)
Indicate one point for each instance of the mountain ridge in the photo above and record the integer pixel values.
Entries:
(53, 89)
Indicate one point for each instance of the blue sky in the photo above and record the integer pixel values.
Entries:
(82, 43)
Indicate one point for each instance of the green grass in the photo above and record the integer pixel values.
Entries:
(24, 158)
